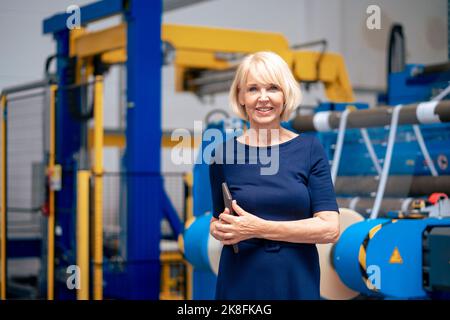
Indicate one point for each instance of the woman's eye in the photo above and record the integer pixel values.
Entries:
(252, 89)
(274, 88)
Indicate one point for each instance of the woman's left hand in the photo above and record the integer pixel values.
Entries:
(241, 227)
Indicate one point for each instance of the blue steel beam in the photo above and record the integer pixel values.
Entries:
(88, 13)
(143, 150)
(171, 215)
(67, 135)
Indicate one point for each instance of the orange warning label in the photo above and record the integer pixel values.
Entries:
(396, 257)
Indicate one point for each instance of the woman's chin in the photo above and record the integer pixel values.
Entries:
(264, 120)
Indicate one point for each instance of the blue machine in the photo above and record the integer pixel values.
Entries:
(379, 258)
(384, 257)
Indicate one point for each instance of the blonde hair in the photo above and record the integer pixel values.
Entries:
(270, 68)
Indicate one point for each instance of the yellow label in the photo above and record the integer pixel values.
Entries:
(396, 257)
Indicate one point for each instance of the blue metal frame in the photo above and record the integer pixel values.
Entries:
(171, 215)
(140, 279)
(67, 144)
(89, 13)
(143, 149)
(403, 87)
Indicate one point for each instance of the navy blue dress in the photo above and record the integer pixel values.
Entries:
(296, 183)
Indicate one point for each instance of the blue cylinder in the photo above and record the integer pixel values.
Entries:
(196, 242)
(349, 255)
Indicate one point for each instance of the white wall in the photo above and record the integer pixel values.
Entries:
(23, 46)
(425, 29)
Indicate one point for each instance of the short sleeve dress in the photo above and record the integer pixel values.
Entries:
(288, 181)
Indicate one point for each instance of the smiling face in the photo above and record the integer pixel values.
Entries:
(264, 79)
(263, 101)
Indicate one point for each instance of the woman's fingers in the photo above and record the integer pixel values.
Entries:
(238, 209)
(228, 218)
(222, 236)
(223, 227)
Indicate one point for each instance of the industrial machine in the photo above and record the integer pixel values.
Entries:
(390, 168)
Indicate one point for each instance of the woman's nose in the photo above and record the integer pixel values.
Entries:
(263, 94)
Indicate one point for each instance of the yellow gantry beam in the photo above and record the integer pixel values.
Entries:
(92, 43)
(197, 47)
(117, 139)
(189, 182)
(51, 201)
(98, 188)
(83, 233)
(203, 48)
(3, 208)
(222, 40)
(332, 73)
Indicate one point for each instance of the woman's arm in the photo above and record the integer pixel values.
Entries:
(322, 228)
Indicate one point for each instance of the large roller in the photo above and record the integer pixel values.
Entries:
(422, 113)
(397, 186)
(200, 248)
(349, 255)
(364, 205)
(331, 286)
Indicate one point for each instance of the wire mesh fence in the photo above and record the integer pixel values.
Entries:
(25, 163)
(115, 208)
(27, 147)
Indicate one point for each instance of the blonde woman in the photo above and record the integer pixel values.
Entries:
(279, 217)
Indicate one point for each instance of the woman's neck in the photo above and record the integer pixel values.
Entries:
(264, 134)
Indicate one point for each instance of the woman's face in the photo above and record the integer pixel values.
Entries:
(263, 102)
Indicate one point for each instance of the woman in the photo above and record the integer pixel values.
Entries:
(280, 216)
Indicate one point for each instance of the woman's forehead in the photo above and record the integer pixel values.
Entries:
(261, 77)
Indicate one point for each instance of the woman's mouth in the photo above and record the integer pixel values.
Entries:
(264, 110)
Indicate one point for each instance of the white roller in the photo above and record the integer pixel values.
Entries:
(320, 121)
(425, 112)
(331, 286)
(214, 251)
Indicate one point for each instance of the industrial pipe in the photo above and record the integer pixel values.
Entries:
(397, 186)
(422, 113)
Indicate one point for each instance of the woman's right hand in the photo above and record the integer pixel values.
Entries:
(212, 227)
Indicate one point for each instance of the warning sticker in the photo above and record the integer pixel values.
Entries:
(396, 257)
